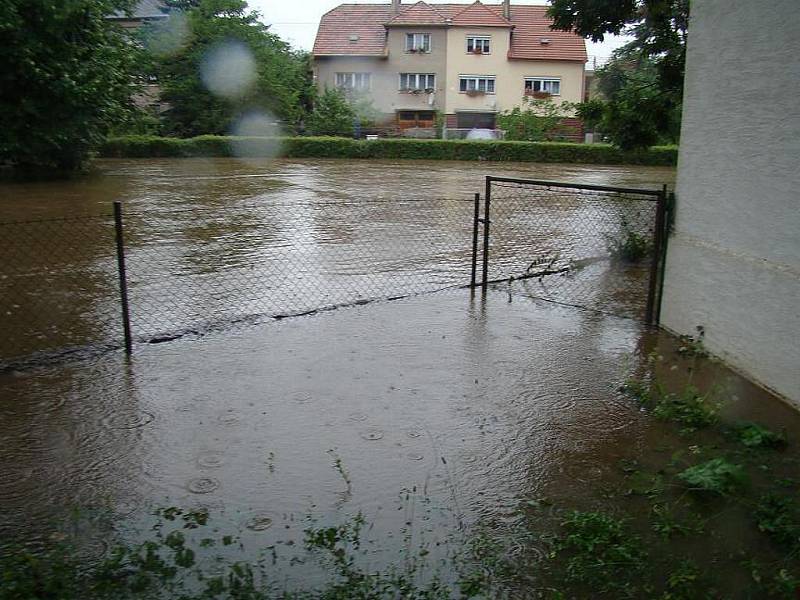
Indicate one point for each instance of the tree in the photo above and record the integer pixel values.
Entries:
(538, 119)
(66, 75)
(332, 115)
(228, 65)
(643, 84)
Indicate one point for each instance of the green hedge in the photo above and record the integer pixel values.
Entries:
(322, 147)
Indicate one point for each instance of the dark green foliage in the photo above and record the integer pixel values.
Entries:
(754, 435)
(280, 87)
(535, 121)
(327, 147)
(596, 549)
(716, 475)
(688, 407)
(629, 245)
(66, 76)
(779, 517)
(332, 115)
(643, 84)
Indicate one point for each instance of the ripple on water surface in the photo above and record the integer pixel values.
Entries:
(203, 485)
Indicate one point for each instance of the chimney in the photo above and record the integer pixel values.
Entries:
(507, 9)
(396, 6)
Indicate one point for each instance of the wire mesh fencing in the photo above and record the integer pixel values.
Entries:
(193, 272)
(591, 246)
(58, 286)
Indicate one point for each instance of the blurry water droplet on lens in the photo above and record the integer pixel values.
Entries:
(228, 69)
(256, 135)
(168, 36)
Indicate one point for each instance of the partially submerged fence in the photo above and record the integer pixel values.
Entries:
(60, 280)
(597, 247)
(92, 283)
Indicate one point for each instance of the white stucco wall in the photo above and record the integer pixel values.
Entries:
(734, 261)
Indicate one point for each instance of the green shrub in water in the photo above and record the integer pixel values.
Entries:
(716, 475)
(754, 435)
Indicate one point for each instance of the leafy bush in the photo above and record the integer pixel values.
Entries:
(688, 407)
(598, 551)
(753, 435)
(716, 475)
(333, 147)
(779, 517)
(629, 245)
(535, 120)
(332, 115)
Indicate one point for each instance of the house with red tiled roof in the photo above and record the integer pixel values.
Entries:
(468, 62)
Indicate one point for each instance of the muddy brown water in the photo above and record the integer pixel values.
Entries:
(446, 410)
(210, 241)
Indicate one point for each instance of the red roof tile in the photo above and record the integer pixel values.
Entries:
(479, 15)
(368, 21)
(418, 14)
(347, 21)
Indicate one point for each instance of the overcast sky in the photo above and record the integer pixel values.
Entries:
(296, 21)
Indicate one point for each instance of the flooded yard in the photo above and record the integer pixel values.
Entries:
(443, 445)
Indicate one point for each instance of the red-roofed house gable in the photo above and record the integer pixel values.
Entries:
(479, 15)
(469, 61)
(420, 13)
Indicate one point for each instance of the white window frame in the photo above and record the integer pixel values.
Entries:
(475, 81)
(360, 81)
(417, 81)
(545, 85)
(418, 42)
(484, 40)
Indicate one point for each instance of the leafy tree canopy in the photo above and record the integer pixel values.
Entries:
(65, 77)
(226, 39)
(643, 83)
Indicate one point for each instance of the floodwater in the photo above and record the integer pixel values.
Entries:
(471, 407)
(446, 411)
(211, 241)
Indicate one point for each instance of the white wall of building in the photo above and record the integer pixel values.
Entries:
(734, 260)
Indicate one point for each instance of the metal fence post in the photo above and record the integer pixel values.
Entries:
(669, 215)
(656, 264)
(487, 202)
(123, 282)
(475, 221)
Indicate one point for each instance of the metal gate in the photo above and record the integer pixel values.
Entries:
(591, 246)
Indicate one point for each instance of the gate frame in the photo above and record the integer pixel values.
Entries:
(658, 264)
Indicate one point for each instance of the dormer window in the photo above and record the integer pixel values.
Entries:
(479, 44)
(418, 42)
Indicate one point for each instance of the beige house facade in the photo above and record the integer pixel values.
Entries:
(464, 63)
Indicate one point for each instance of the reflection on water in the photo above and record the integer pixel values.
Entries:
(212, 240)
(477, 406)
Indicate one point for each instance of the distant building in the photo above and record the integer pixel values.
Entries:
(734, 259)
(467, 61)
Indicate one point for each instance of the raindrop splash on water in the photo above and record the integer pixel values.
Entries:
(228, 70)
(259, 523)
(203, 485)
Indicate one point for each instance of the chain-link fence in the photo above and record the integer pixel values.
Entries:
(62, 282)
(591, 246)
(58, 286)
(193, 272)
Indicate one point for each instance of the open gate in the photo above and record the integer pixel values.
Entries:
(591, 246)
